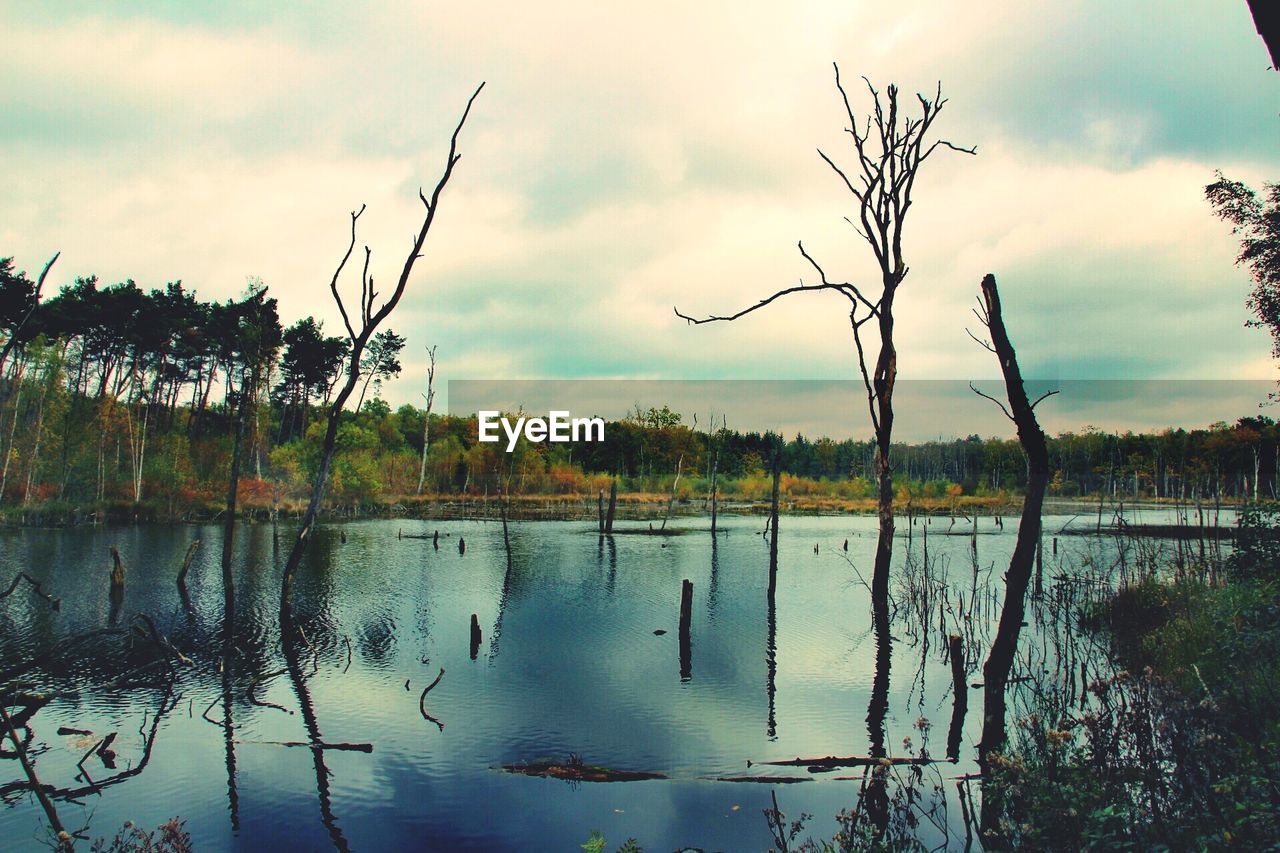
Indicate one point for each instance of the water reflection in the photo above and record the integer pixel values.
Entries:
(583, 670)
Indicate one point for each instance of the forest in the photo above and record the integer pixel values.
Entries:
(115, 396)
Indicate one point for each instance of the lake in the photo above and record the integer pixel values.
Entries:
(569, 667)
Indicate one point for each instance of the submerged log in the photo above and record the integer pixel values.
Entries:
(830, 761)
(573, 770)
(338, 747)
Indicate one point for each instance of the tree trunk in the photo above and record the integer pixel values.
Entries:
(1004, 648)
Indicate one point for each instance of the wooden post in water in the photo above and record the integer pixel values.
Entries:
(613, 503)
(435, 540)
(186, 564)
(117, 571)
(773, 520)
(475, 636)
(960, 701)
(686, 642)
(600, 508)
(462, 545)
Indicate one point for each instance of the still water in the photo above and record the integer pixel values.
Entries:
(569, 664)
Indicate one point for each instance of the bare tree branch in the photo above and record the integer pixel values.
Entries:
(1046, 395)
(992, 399)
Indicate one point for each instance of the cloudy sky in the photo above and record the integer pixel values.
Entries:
(621, 161)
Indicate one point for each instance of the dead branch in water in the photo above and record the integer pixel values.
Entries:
(831, 761)
(422, 701)
(64, 837)
(340, 747)
(54, 603)
(253, 700)
(160, 639)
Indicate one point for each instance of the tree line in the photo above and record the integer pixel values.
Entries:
(116, 393)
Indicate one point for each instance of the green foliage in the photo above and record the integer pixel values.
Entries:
(1182, 755)
(1257, 221)
(596, 844)
(1257, 547)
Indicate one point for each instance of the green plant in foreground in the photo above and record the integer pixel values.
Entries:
(596, 844)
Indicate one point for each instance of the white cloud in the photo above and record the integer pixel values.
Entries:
(622, 161)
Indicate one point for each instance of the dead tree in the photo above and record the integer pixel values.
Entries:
(426, 418)
(889, 148)
(15, 335)
(369, 320)
(1021, 411)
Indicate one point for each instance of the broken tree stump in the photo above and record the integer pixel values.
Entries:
(613, 503)
(117, 569)
(960, 701)
(686, 642)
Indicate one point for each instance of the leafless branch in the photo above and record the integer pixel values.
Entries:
(1046, 395)
(35, 301)
(800, 288)
(333, 283)
(986, 345)
(992, 399)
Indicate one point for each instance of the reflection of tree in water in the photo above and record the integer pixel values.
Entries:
(134, 661)
(516, 571)
(291, 640)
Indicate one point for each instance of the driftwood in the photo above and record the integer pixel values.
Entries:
(422, 701)
(54, 603)
(339, 747)
(829, 762)
(574, 770)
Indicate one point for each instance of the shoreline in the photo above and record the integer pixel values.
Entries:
(630, 507)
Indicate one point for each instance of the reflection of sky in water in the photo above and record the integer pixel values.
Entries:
(576, 669)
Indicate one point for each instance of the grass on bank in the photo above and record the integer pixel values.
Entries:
(1180, 750)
